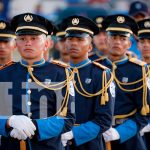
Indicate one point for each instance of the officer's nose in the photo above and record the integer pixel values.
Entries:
(28, 42)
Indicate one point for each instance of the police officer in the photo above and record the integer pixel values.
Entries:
(94, 99)
(37, 89)
(60, 45)
(139, 11)
(100, 47)
(144, 41)
(7, 43)
(132, 95)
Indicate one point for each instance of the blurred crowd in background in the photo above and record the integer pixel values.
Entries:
(56, 10)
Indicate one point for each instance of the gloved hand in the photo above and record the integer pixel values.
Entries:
(65, 137)
(111, 134)
(23, 126)
(145, 130)
(18, 134)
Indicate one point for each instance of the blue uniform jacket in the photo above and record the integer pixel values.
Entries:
(25, 92)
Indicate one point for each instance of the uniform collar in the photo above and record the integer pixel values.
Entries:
(35, 64)
(81, 64)
(118, 62)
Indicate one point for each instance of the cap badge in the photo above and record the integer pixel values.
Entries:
(120, 19)
(99, 20)
(28, 18)
(138, 6)
(147, 24)
(2, 25)
(75, 21)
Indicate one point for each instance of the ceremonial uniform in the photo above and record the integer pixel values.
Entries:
(94, 99)
(144, 40)
(39, 91)
(96, 52)
(132, 95)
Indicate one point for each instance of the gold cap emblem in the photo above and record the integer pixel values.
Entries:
(99, 20)
(2, 25)
(147, 24)
(120, 19)
(28, 18)
(75, 21)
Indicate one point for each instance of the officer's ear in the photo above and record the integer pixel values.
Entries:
(129, 44)
(14, 45)
(47, 44)
(90, 44)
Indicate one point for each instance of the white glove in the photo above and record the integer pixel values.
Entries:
(23, 124)
(111, 134)
(65, 137)
(18, 134)
(145, 130)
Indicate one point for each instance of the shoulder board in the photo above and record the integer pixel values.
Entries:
(7, 65)
(59, 63)
(100, 59)
(99, 65)
(137, 61)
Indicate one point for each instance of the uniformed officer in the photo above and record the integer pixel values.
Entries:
(144, 41)
(7, 43)
(100, 47)
(60, 45)
(132, 95)
(37, 87)
(94, 99)
(138, 10)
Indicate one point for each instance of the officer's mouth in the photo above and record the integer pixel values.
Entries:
(2, 51)
(28, 50)
(73, 50)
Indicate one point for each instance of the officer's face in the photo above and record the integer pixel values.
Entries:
(145, 47)
(118, 44)
(32, 46)
(100, 42)
(78, 48)
(6, 48)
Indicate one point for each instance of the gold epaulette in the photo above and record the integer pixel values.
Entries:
(100, 59)
(59, 63)
(137, 61)
(99, 65)
(7, 65)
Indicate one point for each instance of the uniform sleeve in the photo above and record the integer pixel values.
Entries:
(102, 117)
(138, 121)
(3, 121)
(54, 126)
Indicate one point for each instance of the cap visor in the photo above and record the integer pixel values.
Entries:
(29, 32)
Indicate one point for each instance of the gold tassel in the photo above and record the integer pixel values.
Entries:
(102, 100)
(106, 97)
(64, 112)
(143, 111)
(22, 145)
(147, 108)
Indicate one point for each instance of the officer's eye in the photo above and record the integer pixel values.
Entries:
(80, 39)
(21, 38)
(33, 38)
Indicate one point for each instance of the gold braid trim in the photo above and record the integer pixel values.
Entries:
(7, 65)
(125, 116)
(103, 91)
(145, 107)
(63, 109)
